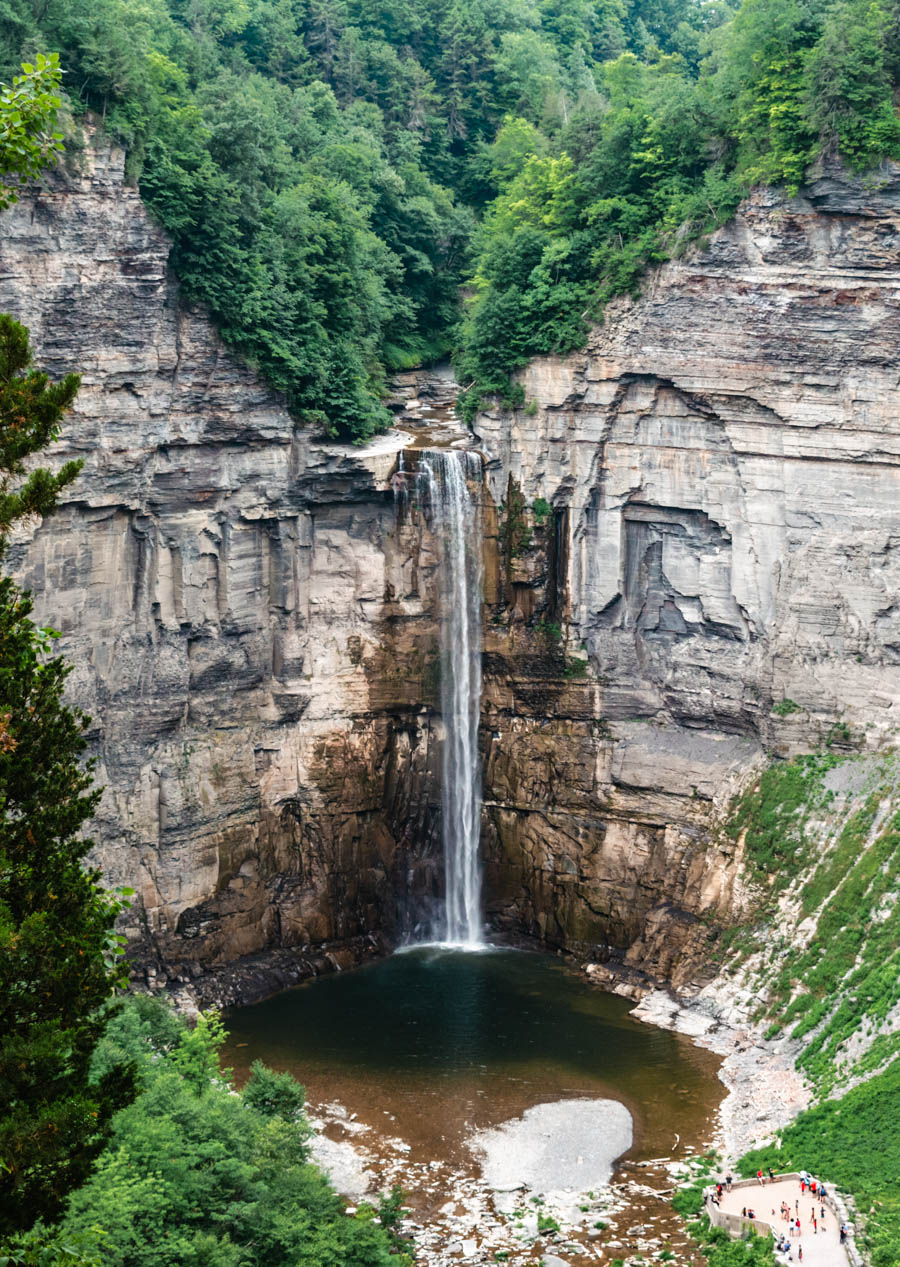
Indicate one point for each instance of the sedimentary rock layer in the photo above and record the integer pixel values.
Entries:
(722, 468)
(691, 564)
(240, 606)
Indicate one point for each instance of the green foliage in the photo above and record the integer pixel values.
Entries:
(575, 667)
(196, 1056)
(841, 854)
(772, 815)
(541, 509)
(854, 1143)
(58, 952)
(785, 707)
(848, 87)
(274, 1094)
(550, 631)
(320, 166)
(31, 410)
(720, 1250)
(29, 139)
(195, 1174)
(656, 152)
(515, 532)
(47, 1248)
(390, 1212)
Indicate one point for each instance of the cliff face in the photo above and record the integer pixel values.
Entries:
(242, 609)
(723, 467)
(692, 562)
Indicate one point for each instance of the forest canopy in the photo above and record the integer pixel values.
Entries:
(336, 173)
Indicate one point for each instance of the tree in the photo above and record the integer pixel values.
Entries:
(849, 94)
(31, 408)
(29, 141)
(58, 949)
(196, 1174)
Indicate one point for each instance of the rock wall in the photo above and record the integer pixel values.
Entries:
(721, 537)
(691, 558)
(249, 625)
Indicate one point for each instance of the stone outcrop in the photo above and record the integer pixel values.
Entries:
(718, 480)
(240, 605)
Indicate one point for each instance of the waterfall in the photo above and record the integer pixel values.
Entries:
(456, 519)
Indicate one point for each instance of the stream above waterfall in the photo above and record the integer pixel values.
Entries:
(416, 1058)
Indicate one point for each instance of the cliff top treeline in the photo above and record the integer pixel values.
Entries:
(332, 171)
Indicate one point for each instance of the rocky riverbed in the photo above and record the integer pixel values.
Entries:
(475, 1212)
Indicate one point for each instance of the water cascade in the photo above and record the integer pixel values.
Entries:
(444, 478)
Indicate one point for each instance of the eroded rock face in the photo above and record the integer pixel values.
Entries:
(248, 622)
(723, 468)
(710, 578)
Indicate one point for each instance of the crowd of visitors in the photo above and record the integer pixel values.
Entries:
(788, 1242)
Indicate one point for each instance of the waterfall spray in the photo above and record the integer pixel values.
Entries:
(456, 518)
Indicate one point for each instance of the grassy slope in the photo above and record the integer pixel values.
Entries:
(822, 837)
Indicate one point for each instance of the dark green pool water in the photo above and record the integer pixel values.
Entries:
(443, 1041)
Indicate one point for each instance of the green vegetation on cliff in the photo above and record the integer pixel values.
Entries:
(854, 1143)
(653, 153)
(822, 839)
(821, 949)
(319, 162)
(332, 170)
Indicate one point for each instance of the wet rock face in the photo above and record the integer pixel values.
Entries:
(229, 591)
(724, 461)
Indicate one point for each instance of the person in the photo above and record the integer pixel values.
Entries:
(823, 1215)
(799, 1253)
(744, 1212)
(843, 1233)
(771, 1175)
(759, 1176)
(728, 1182)
(719, 1191)
(802, 1186)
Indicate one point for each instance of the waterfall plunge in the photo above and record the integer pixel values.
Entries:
(456, 519)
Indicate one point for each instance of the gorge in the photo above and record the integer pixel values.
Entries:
(255, 631)
(671, 564)
(449, 633)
